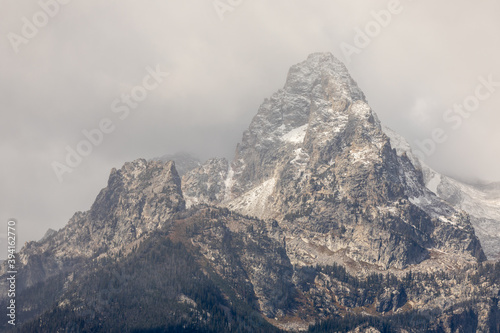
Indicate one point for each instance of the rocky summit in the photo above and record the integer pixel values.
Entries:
(324, 221)
(316, 159)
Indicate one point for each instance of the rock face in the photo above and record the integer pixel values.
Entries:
(140, 198)
(323, 218)
(206, 183)
(480, 201)
(315, 158)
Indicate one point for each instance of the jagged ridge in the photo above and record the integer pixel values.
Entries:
(338, 222)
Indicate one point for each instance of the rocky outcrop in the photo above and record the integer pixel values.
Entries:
(244, 252)
(140, 198)
(315, 158)
(206, 183)
(480, 201)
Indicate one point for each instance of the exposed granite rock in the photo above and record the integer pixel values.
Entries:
(140, 197)
(316, 159)
(242, 252)
(480, 201)
(206, 183)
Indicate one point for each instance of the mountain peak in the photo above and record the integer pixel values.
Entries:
(322, 73)
(184, 162)
(318, 105)
(315, 154)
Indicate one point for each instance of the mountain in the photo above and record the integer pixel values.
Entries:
(49, 233)
(481, 200)
(184, 162)
(316, 159)
(207, 183)
(140, 198)
(323, 221)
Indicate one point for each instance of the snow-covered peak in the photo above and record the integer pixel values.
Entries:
(322, 72)
(315, 154)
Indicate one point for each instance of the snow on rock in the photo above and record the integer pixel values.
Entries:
(305, 145)
(254, 202)
(483, 207)
(339, 122)
(434, 183)
(402, 146)
(365, 156)
(360, 108)
(300, 161)
(296, 135)
(301, 158)
(229, 183)
(445, 220)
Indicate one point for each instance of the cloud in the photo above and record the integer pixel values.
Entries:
(64, 81)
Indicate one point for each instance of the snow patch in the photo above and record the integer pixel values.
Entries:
(339, 122)
(191, 201)
(254, 202)
(421, 202)
(360, 108)
(445, 220)
(297, 135)
(228, 183)
(300, 160)
(434, 183)
(364, 156)
(389, 209)
(301, 157)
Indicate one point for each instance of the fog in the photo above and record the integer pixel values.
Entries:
(223, 58)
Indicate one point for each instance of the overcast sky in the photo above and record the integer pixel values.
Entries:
(65, 77)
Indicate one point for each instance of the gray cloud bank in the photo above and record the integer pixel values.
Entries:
(421, 61)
